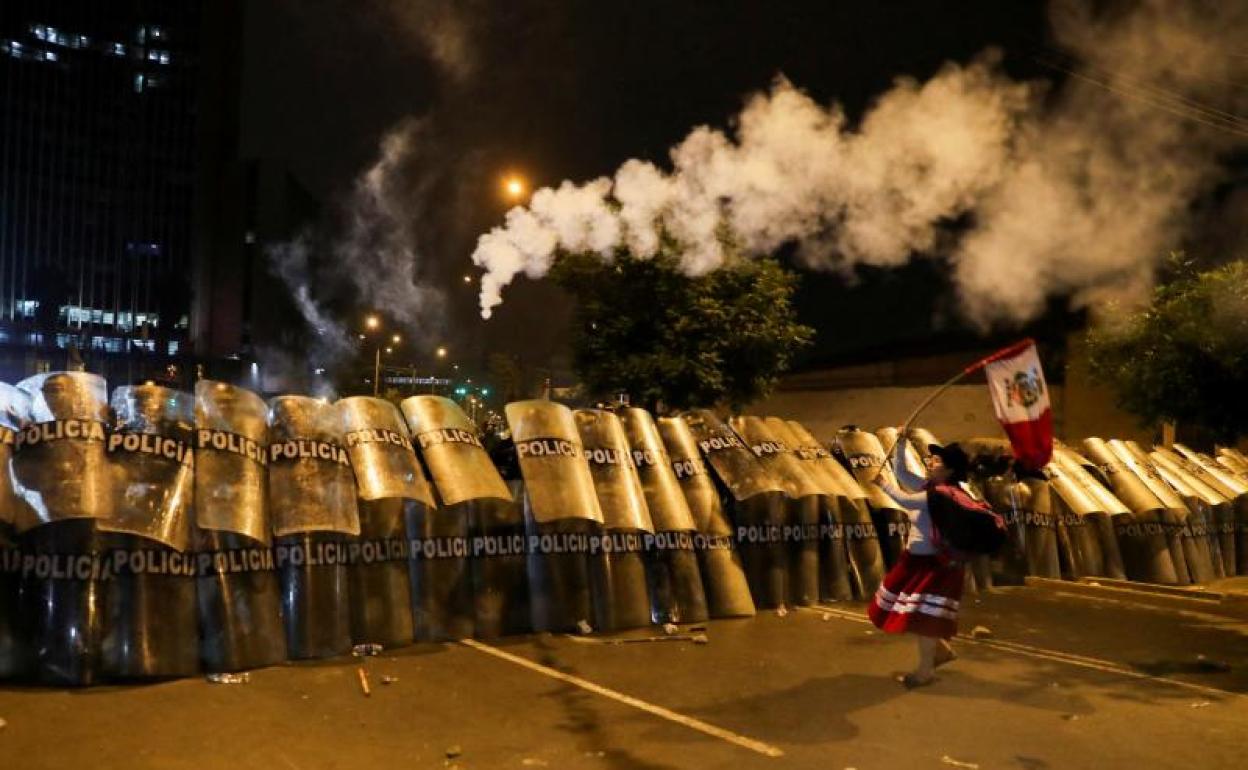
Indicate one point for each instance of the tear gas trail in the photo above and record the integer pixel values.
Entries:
(1076, 194)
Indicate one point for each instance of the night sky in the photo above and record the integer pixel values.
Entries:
(563, 89)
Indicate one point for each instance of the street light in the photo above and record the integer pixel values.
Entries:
(372, 322)
(396, 339)
(514, 187)
(441, 352)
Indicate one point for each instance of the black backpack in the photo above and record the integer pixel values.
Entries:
(966, 524)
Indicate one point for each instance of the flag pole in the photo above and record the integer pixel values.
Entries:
(946, 385)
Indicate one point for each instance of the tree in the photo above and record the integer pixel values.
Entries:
(1184, 357)
(673, 341)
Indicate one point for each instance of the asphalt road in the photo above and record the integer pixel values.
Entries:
(1066, 681)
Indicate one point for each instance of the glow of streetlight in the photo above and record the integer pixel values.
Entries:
(441, 352)
(372, 322)
(389, 350)
(467, 279)
(514, 187)
(396, 339)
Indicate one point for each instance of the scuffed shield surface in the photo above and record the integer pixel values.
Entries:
(380, 447)
(231, 460)
(459, 466)
(311, 485)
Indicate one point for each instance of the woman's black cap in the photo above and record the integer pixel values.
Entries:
(954, 458)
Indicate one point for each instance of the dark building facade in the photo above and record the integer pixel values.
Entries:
(118, 129)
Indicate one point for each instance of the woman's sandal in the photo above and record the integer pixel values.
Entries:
(912, 682)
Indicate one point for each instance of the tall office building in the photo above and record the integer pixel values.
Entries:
(118, 121)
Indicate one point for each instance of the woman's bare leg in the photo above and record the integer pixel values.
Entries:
(927, 658)
(944, 652)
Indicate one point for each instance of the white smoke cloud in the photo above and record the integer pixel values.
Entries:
(376, 256)
(1078, 196)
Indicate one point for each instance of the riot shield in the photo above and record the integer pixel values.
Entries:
(1010, 499)
(757, 507)
(862, 542)
(152, 628)
(806, 505)
(723, 576)
(240, 617)
(1190, 551)
(621, 598)
(676, 591)
(1079, 542)
(15, 654)
(1201, 562)
(1233, 460)
(315, 517)
(1215, 510)
(1103, 517)
(834, 573)
(391, 487)
(1142, 536)
(1235, 489)
(863, 454)
(562, 515)
(60, 473)
(470, 492)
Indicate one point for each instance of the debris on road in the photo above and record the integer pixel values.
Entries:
(366, 650)
(781, 611)
(981, 632)
(363, 675)
(695, 638)
(1212, 666)
(533, 762)
(454, 751)
(584, 627)
(242, 678)
(387, 679)
(1070, 717)
(3, 724)
(826, 616)
(948, 760)
(670, 628)
(1200, 704)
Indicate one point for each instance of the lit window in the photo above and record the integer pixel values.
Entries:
(153, 55)
(138, 83)
(164, 57)
(157, 33)
(39, 31)
(140, 35)
(49, 56)
(82, 41)
(119, 49)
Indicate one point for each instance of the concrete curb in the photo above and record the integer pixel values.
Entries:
(1168, 597)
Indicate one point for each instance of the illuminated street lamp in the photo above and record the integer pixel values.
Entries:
(441, 352)
(514, 187)
(372, 323)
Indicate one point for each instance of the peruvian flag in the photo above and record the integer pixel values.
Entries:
(1020, 398)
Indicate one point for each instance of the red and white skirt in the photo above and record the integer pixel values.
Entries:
(919, 595)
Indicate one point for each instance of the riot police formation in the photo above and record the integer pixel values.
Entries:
(158, 533)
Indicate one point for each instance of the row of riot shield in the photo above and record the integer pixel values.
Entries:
(163, 533)
(635, 521)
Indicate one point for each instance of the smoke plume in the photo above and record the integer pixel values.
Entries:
(375, 256)
(1027, 194)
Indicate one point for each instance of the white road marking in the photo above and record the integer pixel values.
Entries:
(765, 749)
(1055, 656)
